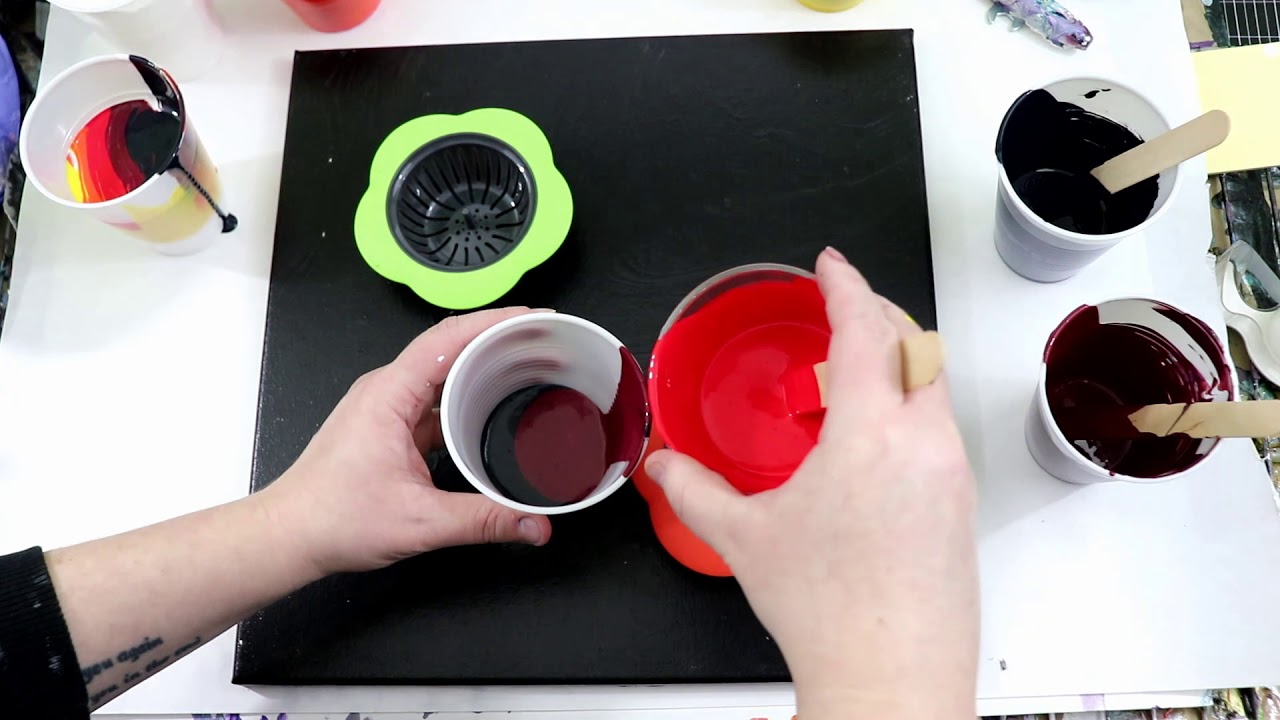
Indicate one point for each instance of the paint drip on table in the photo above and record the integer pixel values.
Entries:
(1053, 21)
(127, 145)
(1135, 352)
(1049, 148)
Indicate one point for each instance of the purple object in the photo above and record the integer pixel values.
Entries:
(1046, 17)
(10, 112)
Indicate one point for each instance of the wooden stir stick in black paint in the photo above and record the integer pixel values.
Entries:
(1163, 152)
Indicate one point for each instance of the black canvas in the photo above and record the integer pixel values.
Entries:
(686, 156)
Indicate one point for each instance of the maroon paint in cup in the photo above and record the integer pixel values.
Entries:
(545, 413)
(1125, 352)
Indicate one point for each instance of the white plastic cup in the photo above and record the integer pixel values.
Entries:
(536, 349)
(1040, 251)
(177, 211)
(181, 36)
(1198, 349)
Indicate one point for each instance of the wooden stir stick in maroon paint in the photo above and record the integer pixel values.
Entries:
(923, 354)
(1252, 418)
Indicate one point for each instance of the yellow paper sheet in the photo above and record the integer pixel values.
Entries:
(1243, 81)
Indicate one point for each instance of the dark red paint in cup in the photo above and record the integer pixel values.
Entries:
(545, 413)
(550, 445)
(1136, 352)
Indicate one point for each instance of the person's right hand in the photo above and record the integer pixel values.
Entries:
(863, 564)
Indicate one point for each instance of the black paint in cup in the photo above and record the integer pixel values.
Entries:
(1049, 147)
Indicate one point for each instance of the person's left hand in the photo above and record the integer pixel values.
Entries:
(360, 497)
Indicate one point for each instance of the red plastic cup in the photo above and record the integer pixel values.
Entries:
(333, 15)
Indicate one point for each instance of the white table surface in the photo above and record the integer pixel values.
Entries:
(129, 380)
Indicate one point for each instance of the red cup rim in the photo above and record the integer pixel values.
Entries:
(713, 287)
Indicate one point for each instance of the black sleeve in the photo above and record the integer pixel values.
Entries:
(39, 674)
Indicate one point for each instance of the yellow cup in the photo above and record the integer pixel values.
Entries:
(830, 5)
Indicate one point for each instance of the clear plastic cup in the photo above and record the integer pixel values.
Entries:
(715, 378)
(181, 36)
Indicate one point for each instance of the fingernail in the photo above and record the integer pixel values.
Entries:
(530, 531)
(656, 467)
(835, 254)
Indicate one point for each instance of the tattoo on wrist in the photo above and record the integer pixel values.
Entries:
(92, 671)
(186, 648)
(103, 694)
(156, 664)
(132, 654)
(129, 660)
(128, 655)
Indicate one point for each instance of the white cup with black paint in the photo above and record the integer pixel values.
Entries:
(1052, 217)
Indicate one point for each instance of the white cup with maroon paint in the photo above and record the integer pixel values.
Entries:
(1123, 353)
(545, 413)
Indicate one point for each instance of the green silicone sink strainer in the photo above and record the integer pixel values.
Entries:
(460, 207)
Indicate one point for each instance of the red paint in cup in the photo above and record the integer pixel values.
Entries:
(715, 381)
(333, 15)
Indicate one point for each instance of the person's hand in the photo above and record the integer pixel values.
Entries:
(862, 565)
(360, 497)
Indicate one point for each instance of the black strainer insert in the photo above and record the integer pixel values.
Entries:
(461, 202)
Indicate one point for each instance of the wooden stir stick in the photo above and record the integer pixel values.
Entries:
(1164, 151)
(922, 359)
(1250, 418)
